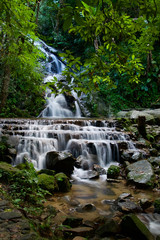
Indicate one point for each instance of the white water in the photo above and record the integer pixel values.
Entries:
(83, 138)
(56, 106)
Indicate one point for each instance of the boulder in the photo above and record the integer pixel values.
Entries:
(60, 162)
(47, 182)
(109, 227)
(113, 172)
(131, 155)
(128, 206)
(141, 174)
(134, 114)
(134, 228)
(63, 182)
(7, 171)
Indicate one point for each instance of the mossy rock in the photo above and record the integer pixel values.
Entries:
(47, 182)
(141, 174)
(134, 228)
(63, 182)
(46, 171)
(24, 166)
(7, 171)
(157, 205)
(113, 171)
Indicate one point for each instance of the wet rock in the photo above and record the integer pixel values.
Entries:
(73, 222)
(141, 174)
(60, 162)
(155, 161)
(79, 160)
(93, 174)
(12, 152)
(128, 206)
(99, 169)
(107, 228)
(85, 165)
(122, 145)
(131, 155)
(108, 202)
(145, 203)
(153, 152)
(74, 202)
(133, 227)
(63, 182)
(124, 196)
(86, 208)
(113, 172)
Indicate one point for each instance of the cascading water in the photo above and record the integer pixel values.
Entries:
(56, 106)
(93, 141)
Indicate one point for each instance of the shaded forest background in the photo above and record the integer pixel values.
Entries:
(111, 48)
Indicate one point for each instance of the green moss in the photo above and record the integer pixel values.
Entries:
(47, 182)
(63, 182)
(157, 205)
(7, 171)
(23, 166)
(113, 171)
(47, 171)
(132, 226)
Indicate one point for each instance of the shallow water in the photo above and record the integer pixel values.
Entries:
(100, 193)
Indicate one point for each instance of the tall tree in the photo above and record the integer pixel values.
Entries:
(123, 33)
(17, 33)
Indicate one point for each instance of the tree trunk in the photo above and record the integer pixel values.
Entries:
(5, 86)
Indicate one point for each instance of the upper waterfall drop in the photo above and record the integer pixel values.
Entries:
(56, 106)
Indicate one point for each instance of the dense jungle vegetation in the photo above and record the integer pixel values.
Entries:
(111, 47)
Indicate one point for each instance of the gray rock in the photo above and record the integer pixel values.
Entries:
(155, 161)
(60, 162)
(141, 173)
(109, 227)
(124, 196)
(128, 206)
(12, 151)
(88, 207)
(10, 215)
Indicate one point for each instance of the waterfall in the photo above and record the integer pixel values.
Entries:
(94, 141)
(56, 106)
